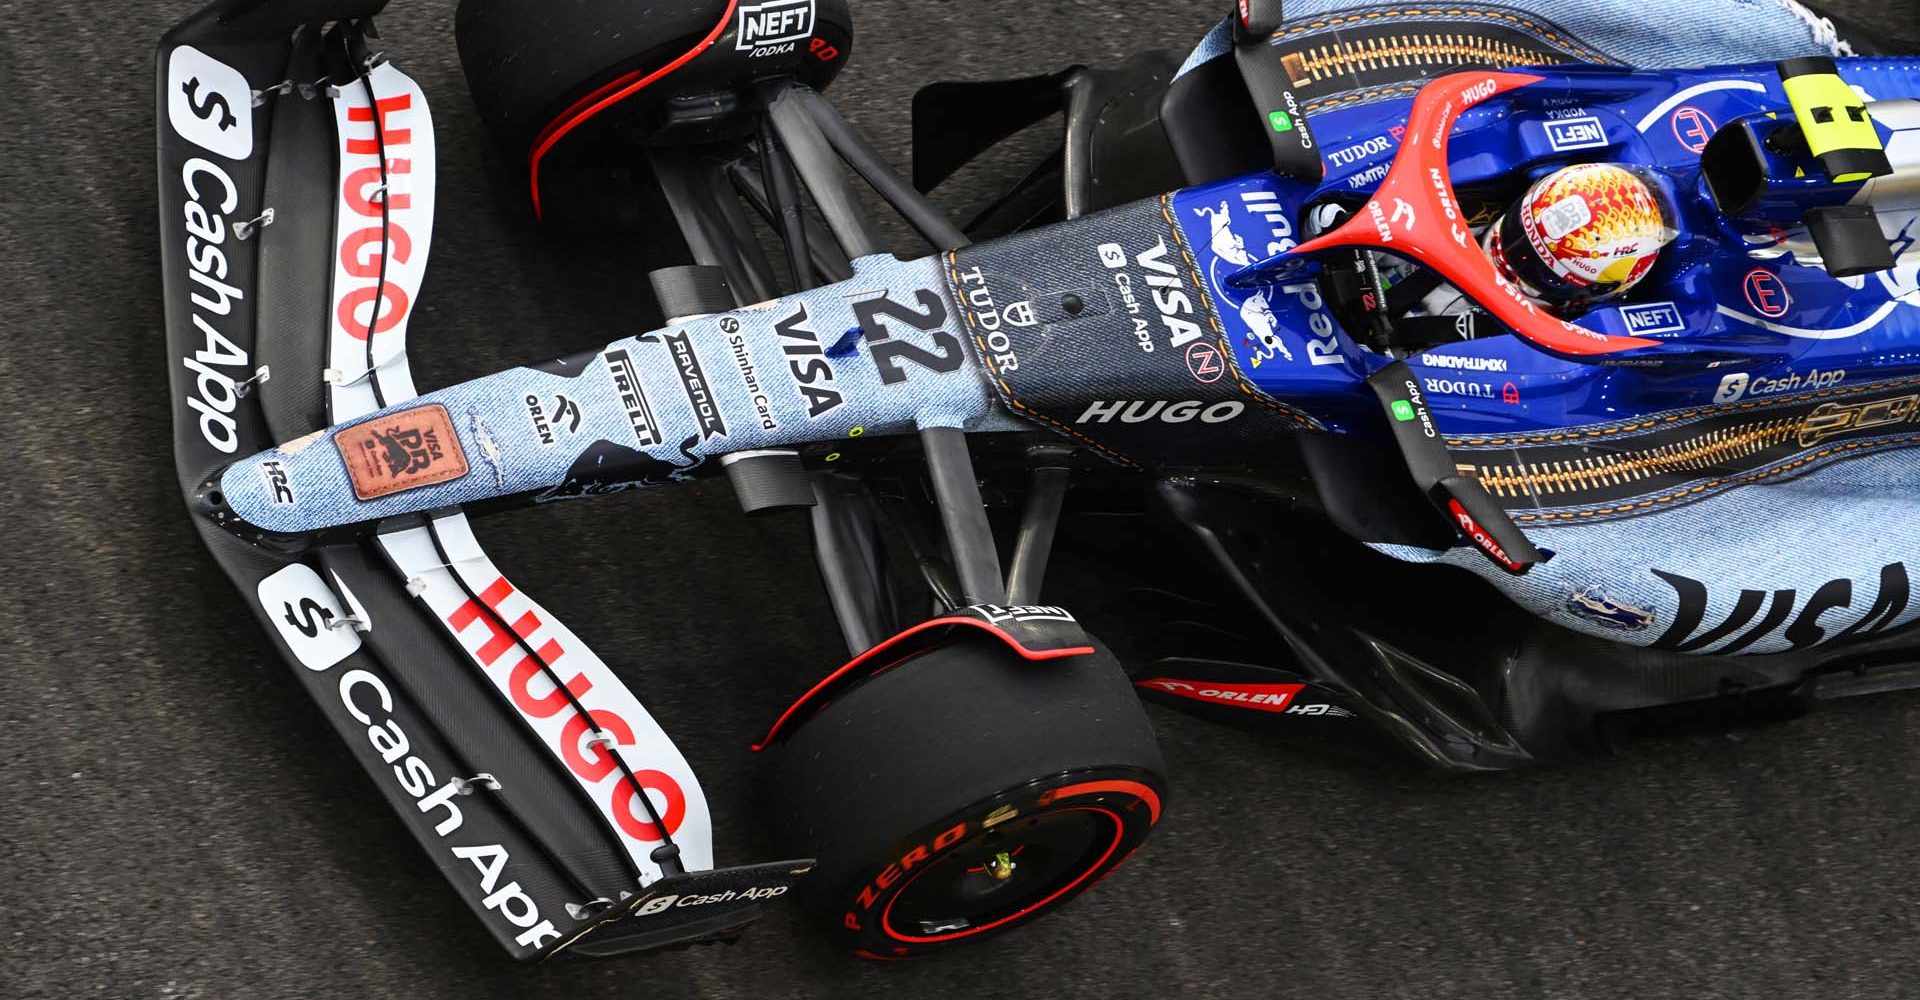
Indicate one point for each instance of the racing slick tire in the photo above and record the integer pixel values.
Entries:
(963, 792)
(577, 90)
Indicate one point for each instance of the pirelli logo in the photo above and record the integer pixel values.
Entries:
(633, 396)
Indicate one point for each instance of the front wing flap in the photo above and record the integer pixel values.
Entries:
(296, 174)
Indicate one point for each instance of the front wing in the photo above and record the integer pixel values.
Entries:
(296, 174)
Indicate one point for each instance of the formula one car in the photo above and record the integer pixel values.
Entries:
(1636, 352)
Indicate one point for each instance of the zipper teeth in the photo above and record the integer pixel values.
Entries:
(1702, 451)
(1324, 62)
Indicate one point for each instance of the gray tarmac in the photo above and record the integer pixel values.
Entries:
(176, 819)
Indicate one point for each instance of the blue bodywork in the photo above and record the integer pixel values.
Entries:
(1706, 287)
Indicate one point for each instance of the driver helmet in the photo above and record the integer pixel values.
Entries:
(1580, 234)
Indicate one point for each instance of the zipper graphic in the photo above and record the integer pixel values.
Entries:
(1637, 469)
(1709, 452)
(1421, 52)
(1375, 54)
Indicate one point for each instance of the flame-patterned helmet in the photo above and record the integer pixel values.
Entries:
(1580, 234)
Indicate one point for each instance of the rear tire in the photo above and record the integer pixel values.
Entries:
(963, 792)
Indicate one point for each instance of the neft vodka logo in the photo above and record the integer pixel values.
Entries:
(1576, 133)
(209, 103)
(998, 613)
(774, 27)
(1653, 317)
(626, 382)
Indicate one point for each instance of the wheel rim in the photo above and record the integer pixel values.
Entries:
(1010, 871)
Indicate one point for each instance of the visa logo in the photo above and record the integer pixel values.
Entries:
(1576, 133)
(1653, 317)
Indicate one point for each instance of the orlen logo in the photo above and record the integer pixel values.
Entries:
(1479, 537)
(771, 28)
(1260, 697)
(209, 103)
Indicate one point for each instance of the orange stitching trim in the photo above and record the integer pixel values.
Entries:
(1743, 480)
(1378, 94)
(1006, 391)
(1676, 416)
(1458, 12)
(1205, 298)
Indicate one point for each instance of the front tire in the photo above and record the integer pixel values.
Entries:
(963, 792)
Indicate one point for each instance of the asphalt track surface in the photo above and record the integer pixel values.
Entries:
(176, 820)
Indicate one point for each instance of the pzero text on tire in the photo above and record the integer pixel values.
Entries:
(965, 791)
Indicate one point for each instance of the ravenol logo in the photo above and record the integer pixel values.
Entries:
(1653, 317)
(1576, 133)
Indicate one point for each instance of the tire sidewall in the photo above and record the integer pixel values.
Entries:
(1130, 797)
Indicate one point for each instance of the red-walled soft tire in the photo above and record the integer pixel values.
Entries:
(964, 792)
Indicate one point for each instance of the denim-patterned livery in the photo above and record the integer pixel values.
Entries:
(1751, 496)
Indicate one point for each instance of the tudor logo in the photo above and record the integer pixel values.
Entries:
(773, 27)
(1019, 314)
(209, 103)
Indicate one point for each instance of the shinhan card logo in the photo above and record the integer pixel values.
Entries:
(209, 103)
(1576, 133)
(1653, 317)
